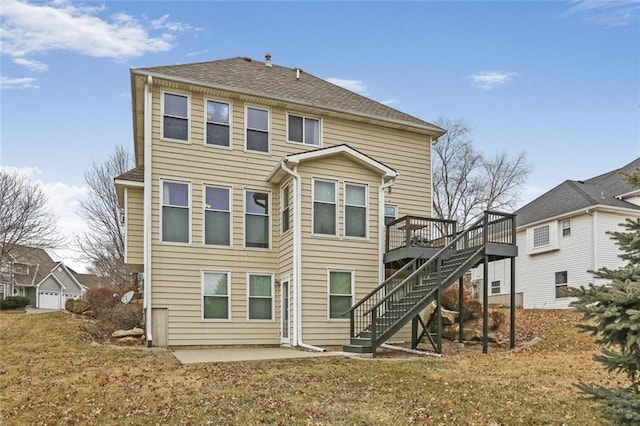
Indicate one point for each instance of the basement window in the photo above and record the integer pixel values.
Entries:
(561, 284)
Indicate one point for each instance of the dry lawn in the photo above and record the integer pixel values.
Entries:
(50, 375)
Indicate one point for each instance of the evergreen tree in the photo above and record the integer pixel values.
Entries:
(612, 312)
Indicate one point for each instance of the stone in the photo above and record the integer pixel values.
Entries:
(134, 332)
(129, 341)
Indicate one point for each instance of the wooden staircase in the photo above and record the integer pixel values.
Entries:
(397, 301)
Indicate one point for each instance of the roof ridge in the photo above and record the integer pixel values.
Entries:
(574, 184)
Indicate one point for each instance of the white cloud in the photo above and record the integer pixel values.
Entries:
(489, 80)
(389, 102)
(63, 201)
(163, 23)
(29, 29)
(18, 83)
(198, 53)
(607, 13)
(353, 85)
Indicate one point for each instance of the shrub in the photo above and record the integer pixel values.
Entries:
(14, 302)
(101, 299)
(110, 313)
(76, 306)
(496, 319)
(472, 308)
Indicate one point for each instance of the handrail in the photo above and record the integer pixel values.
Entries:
(427, 263)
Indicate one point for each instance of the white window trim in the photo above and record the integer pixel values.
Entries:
(204, 130)
(176, 93)
(171, 180)
(304, 117)
(366, 207)
(353, 285)
(286, 185)
(273, 297)
(204, 230)
(562, 227)
(246, 127)
(202, 318)
(313, 201)
(244, 218)
(395, 206)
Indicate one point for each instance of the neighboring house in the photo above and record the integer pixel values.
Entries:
(562, 235)
(258, 204)
(32, 273)
(92, 281)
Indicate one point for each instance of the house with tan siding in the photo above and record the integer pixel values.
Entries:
(259, 207)
(563, 236)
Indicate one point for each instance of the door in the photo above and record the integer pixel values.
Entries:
(49, 300)
(284, 314)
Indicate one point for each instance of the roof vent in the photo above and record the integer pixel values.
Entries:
(298, 72)
(267, 59)
(246, 58)
(602, 195)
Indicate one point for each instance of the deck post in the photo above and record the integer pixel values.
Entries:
(512, 326)
(485, 304)
(460, 309)
(439, 304)
(415, 340)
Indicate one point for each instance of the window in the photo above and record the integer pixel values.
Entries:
(217, 216)
(260, 297)
(256, 219)
(304, 130)
(495, 287)
(257, 130)
(355, 210)
(566, 228)
(175, 117)
(20, 269)
(324, 207)
(340, 294)
(218, 133)
(561, 283)
(541, 236)
(390, 213)
(215, 295)
(175, 212)
(285, 209)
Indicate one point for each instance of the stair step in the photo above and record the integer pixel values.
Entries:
(357, 349)
(360, 341)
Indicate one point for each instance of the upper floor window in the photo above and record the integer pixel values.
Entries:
(304, 130)
(562, 278)
(217, 216)
(215, 295)
(175, 117)
(175, 201)
(390, 213)
(340, 293)
(20, 269)
(541, 236)
(566, 228)
(355, 210)
(257, 130)
(256, 219)
(218, 129)
(324, 207)
(285, 208)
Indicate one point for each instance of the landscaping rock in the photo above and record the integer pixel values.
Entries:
(134, 332)
(128, 341)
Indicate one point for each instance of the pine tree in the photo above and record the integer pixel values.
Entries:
(612, 312)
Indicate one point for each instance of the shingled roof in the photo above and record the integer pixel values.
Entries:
(572, 195)
(248, 76)
(134, 175)
(39, 264)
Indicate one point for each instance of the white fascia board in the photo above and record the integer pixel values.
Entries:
(128, 182)
(598, 207)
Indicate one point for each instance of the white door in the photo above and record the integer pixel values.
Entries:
(284, 314)
(49, 300)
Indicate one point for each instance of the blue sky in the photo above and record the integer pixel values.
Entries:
(559, 80)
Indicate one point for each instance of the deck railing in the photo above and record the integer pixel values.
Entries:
(419, 231)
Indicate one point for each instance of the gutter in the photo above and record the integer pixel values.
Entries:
(297, 259)
(148, 103)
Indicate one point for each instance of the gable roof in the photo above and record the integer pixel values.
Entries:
(343, 149)
(39, 265)
(92, 281)
(247, 76)
(572, 195)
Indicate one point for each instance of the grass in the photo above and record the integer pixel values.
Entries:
(50, 374)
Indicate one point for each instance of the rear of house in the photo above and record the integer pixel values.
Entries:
(257, 207)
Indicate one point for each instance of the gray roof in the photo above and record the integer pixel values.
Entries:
(572, 195)
(248, 76)
(134, 175)
(39, 265)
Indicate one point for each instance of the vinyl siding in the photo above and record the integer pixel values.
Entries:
(134, 225)
(607, 252)
(176, 268)
(50, 284)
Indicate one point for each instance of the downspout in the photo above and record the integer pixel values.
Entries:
(297, 259)
(381, 227)
(594, 230)
(148, 103)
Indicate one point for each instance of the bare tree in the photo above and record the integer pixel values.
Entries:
(465, 183)
(103, 244)
(25, 219)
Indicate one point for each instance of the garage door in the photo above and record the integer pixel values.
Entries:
(49, 300)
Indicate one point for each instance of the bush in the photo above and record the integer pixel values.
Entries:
(76, 306)
(496, 319)
(111, 314)
(472, 308)
(101, 299)
(14, 302)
